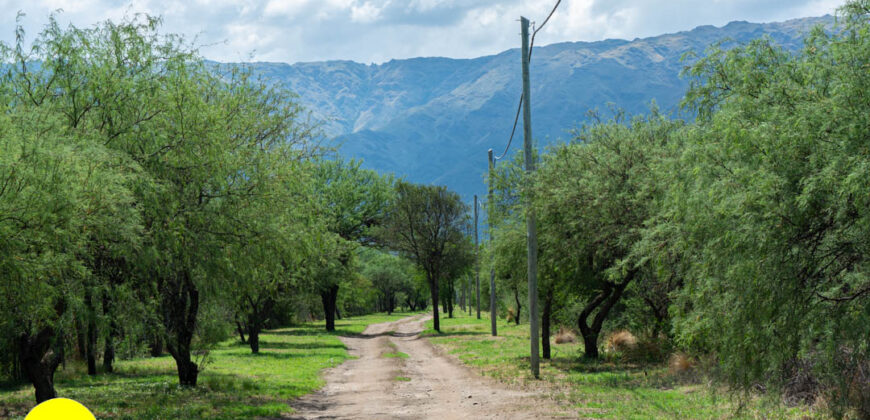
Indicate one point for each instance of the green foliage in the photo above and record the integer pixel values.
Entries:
(390, 275)
(237, 384)
(771, 208)
(429, 225)
(593, 389)
(142, 172)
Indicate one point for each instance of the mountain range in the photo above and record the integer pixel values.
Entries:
(432, 120)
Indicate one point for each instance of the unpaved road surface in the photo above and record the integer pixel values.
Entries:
(425, 385)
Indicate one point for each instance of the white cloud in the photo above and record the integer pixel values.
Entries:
(364, 13)
(378, 30)
(286, 8)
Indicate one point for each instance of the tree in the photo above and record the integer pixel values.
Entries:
(198, 138)
(427, 223)
(55, 187)
(456, 264)
(353, 201)
(772, 212)
(390, 275)
(593, 197)
(510, 261)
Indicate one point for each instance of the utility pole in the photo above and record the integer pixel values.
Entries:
(530, 212)
(489, 206)
(476, 256)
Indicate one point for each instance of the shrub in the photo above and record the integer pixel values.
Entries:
(681, 363)
(620, 342)
(565, 335)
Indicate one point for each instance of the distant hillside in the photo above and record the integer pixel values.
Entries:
(433, 119)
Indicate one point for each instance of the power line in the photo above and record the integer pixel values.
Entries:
(513, 130)
(520, 104)
(532, 43)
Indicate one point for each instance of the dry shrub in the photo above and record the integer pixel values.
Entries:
(565, 335)
(855, 380)
(681, 363)
(620, 341)
(510, 315)
(647, 350)
(801, 385)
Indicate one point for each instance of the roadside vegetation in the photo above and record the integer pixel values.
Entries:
(736, 239)
(613, 388)
(236, 383)
(154, 203)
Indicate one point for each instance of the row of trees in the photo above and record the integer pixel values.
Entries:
(150, 199)
(743, 235)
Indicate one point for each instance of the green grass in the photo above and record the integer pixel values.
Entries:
(598, 390)
(234, 385)
(396, 354)
(403, 379)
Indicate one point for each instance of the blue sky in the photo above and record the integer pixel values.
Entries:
(379, 30)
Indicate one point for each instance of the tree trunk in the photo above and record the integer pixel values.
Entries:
(109, 345)
(39, 357)
(109, 354)
(187, 370)
(81, 336)
(241, 330)
(91, 338)
(180, 305)
(329, 297)
(155, 347)
(451, 297)
(254, 338)
(545, 323)
(462, 302)
(610, 294)
(590, 345)
(433, 290)
(517, 300)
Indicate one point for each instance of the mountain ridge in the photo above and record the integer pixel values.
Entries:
(432, 119)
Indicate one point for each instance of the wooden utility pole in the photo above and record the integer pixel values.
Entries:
(530, 212)
(476, 257)
(489, 206)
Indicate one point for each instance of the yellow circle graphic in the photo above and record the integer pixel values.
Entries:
(60, 409)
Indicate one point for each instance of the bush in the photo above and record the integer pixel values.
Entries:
(620, 342)
(565, 335)
(681, 363)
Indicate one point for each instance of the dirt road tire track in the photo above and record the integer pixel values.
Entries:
(370, 387)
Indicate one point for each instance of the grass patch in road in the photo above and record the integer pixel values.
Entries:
(594, 389)
(396, 354)
(403, 379)
(234, 385)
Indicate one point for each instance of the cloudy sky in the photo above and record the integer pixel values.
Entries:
(379, 30)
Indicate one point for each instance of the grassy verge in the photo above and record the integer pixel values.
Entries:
(234, 385)
(594, 389)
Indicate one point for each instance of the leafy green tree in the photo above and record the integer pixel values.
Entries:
(426, 223)
(56, 190)
(510, 259)
(353, 201)
(390, 275)
(772, 212)
(203, 139)
(593, 197)
(266, 268)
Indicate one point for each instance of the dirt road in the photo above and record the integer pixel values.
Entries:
(425, 385)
